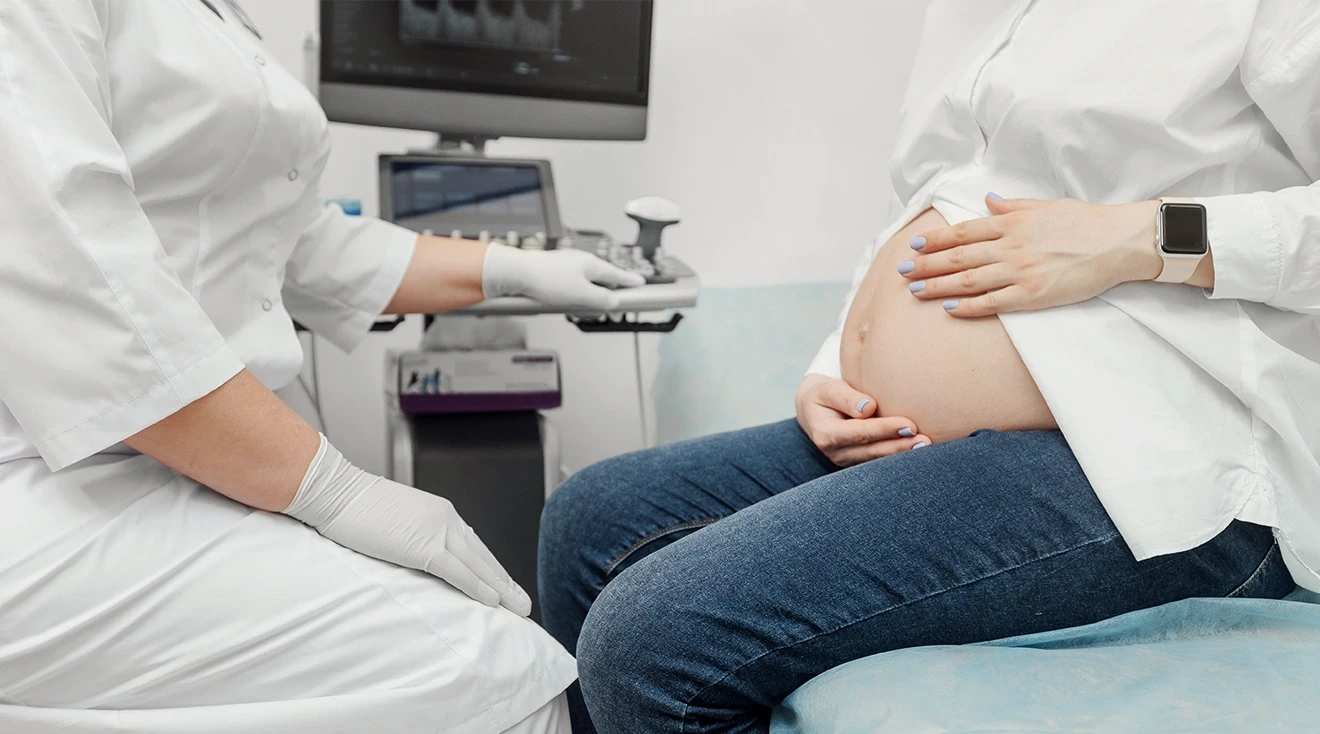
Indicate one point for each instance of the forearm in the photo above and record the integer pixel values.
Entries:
(444, 274)
(240, 440)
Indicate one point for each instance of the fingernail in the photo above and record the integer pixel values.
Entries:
(906, 267)
(995, 196)
(919, 444)
(950, 305)
(906, 432)
(917, 242)
(861, 404)
(917, 287)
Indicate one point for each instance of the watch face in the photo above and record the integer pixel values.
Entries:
(1184, 229)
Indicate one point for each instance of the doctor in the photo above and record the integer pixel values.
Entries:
(179, 551)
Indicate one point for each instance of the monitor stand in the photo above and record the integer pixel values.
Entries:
(456, 145)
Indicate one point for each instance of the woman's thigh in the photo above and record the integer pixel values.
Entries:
(610, 515)
(181, 599)
(995, 535)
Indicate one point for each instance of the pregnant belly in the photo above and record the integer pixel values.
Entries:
(950, 376)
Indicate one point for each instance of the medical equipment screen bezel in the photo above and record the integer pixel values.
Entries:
(549, 199)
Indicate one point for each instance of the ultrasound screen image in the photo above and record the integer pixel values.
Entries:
(533, 25)
(590, 50)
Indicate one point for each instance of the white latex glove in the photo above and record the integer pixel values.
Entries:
(564, 278)
(402, 525)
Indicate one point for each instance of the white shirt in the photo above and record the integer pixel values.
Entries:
(160, 221)
(1185, 411)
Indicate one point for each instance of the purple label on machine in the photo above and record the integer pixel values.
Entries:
(478, 402)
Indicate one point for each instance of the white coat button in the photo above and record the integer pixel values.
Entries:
(261, 60)
(293, 175)
(266, 305)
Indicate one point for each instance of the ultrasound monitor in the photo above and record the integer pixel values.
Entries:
(479, 69)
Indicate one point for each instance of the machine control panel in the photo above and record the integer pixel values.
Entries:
(513, 202)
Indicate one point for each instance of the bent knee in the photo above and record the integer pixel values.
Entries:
(574, 512)
(627, 646)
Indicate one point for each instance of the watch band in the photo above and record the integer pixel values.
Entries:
(1177, 269)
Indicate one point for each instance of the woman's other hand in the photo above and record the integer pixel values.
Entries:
(844, 425)
(1033, 254)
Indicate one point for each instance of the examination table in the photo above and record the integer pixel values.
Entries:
(1199, 665)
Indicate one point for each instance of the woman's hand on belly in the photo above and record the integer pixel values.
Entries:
(843, 423)
(950, 376)
(1033, 254)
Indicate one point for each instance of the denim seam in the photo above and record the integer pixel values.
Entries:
(1260, 569)
(691, 524)
(687, 705)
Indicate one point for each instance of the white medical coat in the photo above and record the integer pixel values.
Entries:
(160, 224)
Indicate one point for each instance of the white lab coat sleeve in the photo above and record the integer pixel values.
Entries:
(1266, 245)
(99, 338)
(343, 273)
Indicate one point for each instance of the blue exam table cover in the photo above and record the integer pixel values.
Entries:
(1200, 665)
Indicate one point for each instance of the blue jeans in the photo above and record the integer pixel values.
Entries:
(702, 582)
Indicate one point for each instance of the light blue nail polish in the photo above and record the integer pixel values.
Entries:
(906, 432)
(950, 305)
(917, 287)
(920, 444)
(917, 242)
(861, 404)
(995, 196)
(906, 267)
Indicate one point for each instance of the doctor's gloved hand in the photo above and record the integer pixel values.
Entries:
(402, 525)
(567, 278)
(846, 425)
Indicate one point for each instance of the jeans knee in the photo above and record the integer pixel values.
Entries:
(573, 514)
(621, 650)
(580, 527)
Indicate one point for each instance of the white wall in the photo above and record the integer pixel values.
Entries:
(771, 124)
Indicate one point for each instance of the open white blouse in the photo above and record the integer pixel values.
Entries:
(1187, 409)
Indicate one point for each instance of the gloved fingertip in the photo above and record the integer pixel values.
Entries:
(520, 604)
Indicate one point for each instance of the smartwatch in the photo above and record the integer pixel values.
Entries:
(1180, 238)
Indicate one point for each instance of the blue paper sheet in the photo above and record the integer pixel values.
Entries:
(1199, 665)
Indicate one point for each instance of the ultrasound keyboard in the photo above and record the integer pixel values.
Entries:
(665, 269)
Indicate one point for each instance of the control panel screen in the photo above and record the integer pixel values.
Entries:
(589, 50)
(471, 198)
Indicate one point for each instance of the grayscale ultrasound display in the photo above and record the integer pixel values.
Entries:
(590, 50)
(516, 24)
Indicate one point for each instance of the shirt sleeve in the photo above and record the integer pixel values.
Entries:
(1266, 245)
(99, 338)
(343, 272)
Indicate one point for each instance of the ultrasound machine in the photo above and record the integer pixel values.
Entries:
(473, 71)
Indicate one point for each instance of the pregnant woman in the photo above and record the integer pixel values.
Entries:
(1033, 416)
